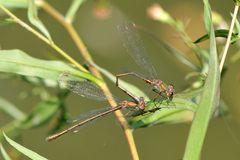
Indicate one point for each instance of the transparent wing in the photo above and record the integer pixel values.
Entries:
(83, 117)
(83, 88)
(91, 113)
(134, 45)
(94, 113)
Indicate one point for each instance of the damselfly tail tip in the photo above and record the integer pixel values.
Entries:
(50, 138)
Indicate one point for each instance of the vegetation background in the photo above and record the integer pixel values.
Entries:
(105, 139)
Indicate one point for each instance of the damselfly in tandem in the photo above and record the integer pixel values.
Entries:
(136, 106)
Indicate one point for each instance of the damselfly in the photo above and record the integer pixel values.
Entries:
(90, 90)
(135, 48)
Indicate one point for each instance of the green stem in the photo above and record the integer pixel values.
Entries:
(73, 10)
(43, 38)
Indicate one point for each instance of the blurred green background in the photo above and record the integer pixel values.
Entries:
(104, 139)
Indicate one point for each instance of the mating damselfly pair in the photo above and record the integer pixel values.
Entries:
(85, 88)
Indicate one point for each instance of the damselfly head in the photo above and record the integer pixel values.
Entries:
(157, 82)
(141, 103)
(170, 91)
(124, 104)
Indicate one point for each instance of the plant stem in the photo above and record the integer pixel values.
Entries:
(86, 55)
(43, 38)
(225, 50)
(199, 53)
(73, 9)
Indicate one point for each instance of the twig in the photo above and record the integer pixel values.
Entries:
(225, 51)
(73, 10)
(86, 55)
(43, 38)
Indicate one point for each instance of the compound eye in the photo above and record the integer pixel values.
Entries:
(141, 103)
(170, 88)
(154, 81)
(142, 107)
(124, 103)
(159, 82)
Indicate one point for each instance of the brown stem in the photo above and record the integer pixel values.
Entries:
(86, 55)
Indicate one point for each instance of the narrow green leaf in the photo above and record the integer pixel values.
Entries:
(24, 150)
(18, 62)
(73, 9)
(14, 3)
(12, 128)
(33, 18)
(11, 109)
(209, 99)
(4, 153)
(233, 40)
(236, 56)
(39, 81)
(207, 17)
(218, 33)
(6, 21)
(177, 111)
(237, 24)
(42, 113)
